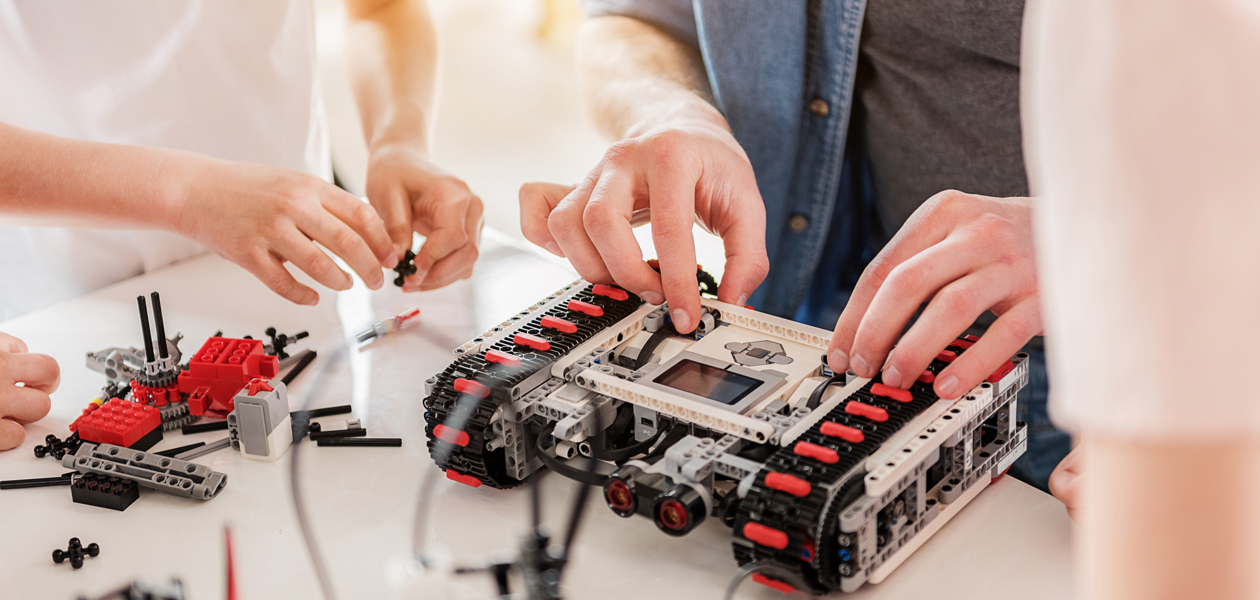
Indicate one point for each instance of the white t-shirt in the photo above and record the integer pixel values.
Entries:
(232, 79)
(1142, 128)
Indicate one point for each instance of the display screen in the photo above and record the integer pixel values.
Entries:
(707, 381)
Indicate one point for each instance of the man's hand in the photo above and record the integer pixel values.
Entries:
(962, 254)
(262, 217)
(680, 171)
(26, 380)
(411, 194)
(1066, 480)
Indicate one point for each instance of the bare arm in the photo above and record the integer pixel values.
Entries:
(391, 50)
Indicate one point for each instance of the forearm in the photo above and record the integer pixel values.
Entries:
(636, 77)
(1170, 520)
(391, 50)
(54, 181)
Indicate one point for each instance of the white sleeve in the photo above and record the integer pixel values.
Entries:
(1142, 133)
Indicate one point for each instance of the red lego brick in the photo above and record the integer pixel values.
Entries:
(859, 409)
(220, 369)
(788, 483)
(120, 422)
(886, 391)
(766, 536)
(816, 452)
(586, 307)
(609, 291)
(533, 341)
(844, 432)
(559, 324)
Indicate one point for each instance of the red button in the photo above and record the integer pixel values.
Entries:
(873, 413)
(927, 377)
(472, 388)
(947, 356)
(503, 358)
(1002, 371)
(586, 307)
(844, 432)
(766, 536)
(559, 324)
(816, 452)
(788, 483)
(464, 479)
(454, 436)
(887, 391)
(609, 291)
(774, 584)
(533, 341)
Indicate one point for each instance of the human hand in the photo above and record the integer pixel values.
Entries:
(26, 380)
(1065, 481)
(680, 171)
(260, 217)
(411, 194)
(963, 254)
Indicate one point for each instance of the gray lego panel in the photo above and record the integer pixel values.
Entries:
(164, 474)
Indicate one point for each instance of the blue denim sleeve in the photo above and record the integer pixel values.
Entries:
(674, 17)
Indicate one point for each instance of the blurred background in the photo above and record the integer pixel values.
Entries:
(508, 107)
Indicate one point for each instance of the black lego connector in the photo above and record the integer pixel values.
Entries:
(75, 552)
(359, 441)
(406, 266)
(280, 340)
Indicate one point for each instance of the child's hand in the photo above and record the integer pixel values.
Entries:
(26, 380)
(1065, 481)
(262, 217)
(413, 195)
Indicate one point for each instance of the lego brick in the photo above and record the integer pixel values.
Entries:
(259, 425)
(106, 492)
(218, 371)
(121, 423)
(170, 475)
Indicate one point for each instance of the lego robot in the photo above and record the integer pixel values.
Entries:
(827, 480)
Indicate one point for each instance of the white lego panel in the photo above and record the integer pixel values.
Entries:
(608, 338)
(797, 361)
(909, 433)
(947, 512)
(777, 327)
(705, 416)
(830, 400)
(502, 330)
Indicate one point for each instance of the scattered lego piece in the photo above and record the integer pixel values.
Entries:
(279, 341)
(387, 326)
(75, 552)
(307, 357)
(359, 441)
(204, 427)
(58, 448)
(259, 425)
(353, 424)
(214, 446)
(338, 433)
(406, 266)
(173, 452)
(315, 413)
(121, 423)
(218, 371)
(170, 475)
(106, 492)
(21, 484)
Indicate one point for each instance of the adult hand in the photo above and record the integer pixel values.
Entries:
(963, 255)
(26, 380)
(680, 171)
(1066, 481)
(261, 217)
(411, 194)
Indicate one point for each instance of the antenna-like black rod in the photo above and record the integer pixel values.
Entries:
(144, 324)
(161, 327)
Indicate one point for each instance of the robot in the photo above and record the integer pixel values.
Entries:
(828, 481)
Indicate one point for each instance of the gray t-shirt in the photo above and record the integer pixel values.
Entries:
(938, 100)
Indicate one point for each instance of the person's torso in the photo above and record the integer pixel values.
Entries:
(231, 79)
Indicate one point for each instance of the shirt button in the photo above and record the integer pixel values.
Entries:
(798, 223)
(819, 107)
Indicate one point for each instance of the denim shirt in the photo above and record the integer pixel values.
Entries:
(785, 83)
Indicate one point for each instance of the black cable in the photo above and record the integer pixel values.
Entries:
(548, 457)
(628, 452)
(739, 578)
(815, 397)
(677, 432)
(658, 336)
(584, 492)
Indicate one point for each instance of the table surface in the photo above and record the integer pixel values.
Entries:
(1012, 541)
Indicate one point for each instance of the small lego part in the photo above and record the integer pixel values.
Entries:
(121, 423)
(204, 449)
(218, 371)
(279, 341)
(860, 409)
(204, 427)
(359, 441)
(171, 475)
(56, 447)
(406, 266)
(106, 492)
(259, 425)
(387, 326)
(559, 324)
(532, 341)
(173, 452)
(589, 309)
(353, 424)
(303, 361)
(21, 484)
(338, 433)
(75, 552)
(897, 394)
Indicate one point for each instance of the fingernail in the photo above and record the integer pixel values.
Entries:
(681, 320)
(392, 260)
(652, 297)
(859, 366)
(743, 300)
(376, 283)
(311, 300)
(892, 377)
(554, 248)
(838, 360)
(947, 387)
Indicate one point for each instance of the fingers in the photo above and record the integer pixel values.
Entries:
(946, 317)
(569, 230)
(393, 205)
(441, 216)
(24, 404)
(673, 214)
(307, 257)
(746, 261)
(343, 241)
(35, 371)
(1065, 481)
(459, 264)
(9, 343)
(537, 201)
(608, 215)
(11, 434)
(269, 269)
(1004, 338)
(363, 219)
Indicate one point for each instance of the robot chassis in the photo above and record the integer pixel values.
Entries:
(828, 481)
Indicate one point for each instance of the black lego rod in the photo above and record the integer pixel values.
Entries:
(161, 326)
(180, 450)
(335, 433)
(204, 427)
(297, 369)
(144, 324)
(315, 413)
(359, 441)
(20, 484)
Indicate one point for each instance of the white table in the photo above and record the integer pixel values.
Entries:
(1012, 541)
